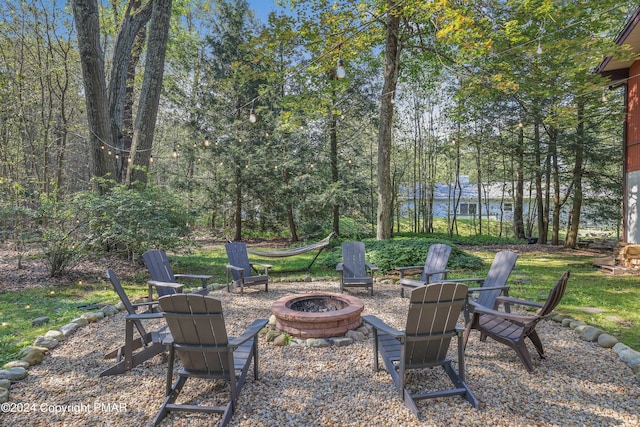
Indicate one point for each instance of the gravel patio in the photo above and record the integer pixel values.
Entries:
(579, 384)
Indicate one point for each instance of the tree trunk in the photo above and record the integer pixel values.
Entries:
(333, 156)
(145, 122)
(238, 211)
(572, 236)
(392, 58)
(479, 185)
(132, 26)
(518, 209)
(542, 218)
(87, 22)
(555, 219)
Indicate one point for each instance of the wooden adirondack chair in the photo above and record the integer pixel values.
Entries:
(431, 323)
(353, 268)
(149, 343)
(433, 270)
(239, 269)
(200, 339)
(163, 277)
(513, 328)
(494, 284)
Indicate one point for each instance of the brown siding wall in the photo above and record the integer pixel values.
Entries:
(633, 119)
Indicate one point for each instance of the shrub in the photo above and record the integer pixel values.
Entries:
(400, 252)
(132, 221)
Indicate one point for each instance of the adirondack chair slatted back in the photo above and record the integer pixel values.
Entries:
(353, 259)
(431, 322)
(159, 266)
(554, 298)
(498, 275)
(117, 287)
(437, 259)
(238, 256)
(199, 333)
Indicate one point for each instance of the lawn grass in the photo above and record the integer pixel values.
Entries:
(533, 277)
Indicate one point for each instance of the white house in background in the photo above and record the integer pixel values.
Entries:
(497, 197)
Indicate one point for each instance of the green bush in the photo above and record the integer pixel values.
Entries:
(400, 252)
(132, 221)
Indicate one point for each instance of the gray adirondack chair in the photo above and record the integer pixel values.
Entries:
(354, 270)
(431, 324)
(240, 269)
(433, 270)
(201, 341)
(494, 284)
(148, 344)
(513, 329)
(163, 277)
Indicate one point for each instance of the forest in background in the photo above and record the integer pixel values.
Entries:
(246, 127)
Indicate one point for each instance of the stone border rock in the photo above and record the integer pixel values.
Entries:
(34, 354)
(592, 334)
(280, 338)
(30, 355)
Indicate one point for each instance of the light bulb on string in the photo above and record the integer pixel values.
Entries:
(252, 113)
(151, 158)
(539, 50)
(604, 97)
(340, 71)
(175, 153)
(129, 159)
(207, 142)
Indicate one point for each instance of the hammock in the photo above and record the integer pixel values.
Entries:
(295, 251)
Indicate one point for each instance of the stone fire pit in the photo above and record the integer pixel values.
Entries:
(317, 315)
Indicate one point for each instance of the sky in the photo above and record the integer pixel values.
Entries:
(262, 8)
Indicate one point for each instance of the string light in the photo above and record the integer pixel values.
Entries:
(539, 50)
(604, 97)
(175, 153)
(151, 158)
(340, 71)
(207, 142)
(252, 113)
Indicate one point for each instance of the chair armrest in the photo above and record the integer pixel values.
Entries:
(472, 279)
(340, 267)
(480, 309)
(431, 273)
(378, 324)
(249, 333)
(372, 267)
(265, 266)
(488, 288)
(404, 270)
(177, 286)
(516, 301)
(143, 316)
(194, 276)
(238, 269)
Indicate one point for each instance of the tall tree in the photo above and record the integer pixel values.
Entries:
(391, 65)
(105, 103)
